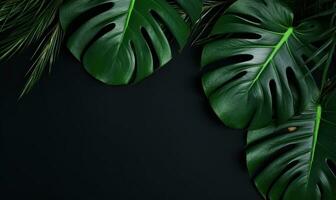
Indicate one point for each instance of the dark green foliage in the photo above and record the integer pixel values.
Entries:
(269, 66)
(252, 45)
(118, 44)
(296, 159)
(255, 45)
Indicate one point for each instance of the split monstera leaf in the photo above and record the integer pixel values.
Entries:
(262, 74)
(257, 77)
(297, 159)
(258, 66)
(119, 40)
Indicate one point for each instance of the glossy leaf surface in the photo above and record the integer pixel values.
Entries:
(255, 64)
(124, 41)
(297, 159)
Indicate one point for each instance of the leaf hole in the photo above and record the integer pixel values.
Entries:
(239, 35)
(169, 35)
(245, 35)
(156, 61)
(290, 165)
(134, 74)
(100, 34)
(295, 89)
(238, 76)
(273, 91)
(292, 179)
(276, 133)
(273, 157)
(227, 61)
(87, 15)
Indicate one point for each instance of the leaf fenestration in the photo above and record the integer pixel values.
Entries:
(296, 163)
(256, 45)
(124, 41)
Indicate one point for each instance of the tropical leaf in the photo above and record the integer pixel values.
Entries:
(31, 22)
(45, 56)
(257, 70)
(124, 41)
(297, 159)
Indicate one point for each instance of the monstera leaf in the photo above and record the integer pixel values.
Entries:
(297, 159)
(255, 64)
(124, 41)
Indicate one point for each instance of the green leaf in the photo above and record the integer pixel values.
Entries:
(118, 40)
(259, 72)
(297, 159)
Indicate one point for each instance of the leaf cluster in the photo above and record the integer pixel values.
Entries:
(289, 114)
(269, 67)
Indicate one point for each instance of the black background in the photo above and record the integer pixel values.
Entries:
(75, 138)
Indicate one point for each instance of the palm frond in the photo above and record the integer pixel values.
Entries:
(211, 11)
(326, 13)
(46, 55)
(30, 22)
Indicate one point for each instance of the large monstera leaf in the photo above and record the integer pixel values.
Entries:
(124, 41)
(255, 64)
(297, 159)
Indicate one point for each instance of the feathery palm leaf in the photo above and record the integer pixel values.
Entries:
(326, 12)
(27, 22)
(212, 9)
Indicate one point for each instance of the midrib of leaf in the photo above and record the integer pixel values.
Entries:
(131, 7)
(129, 14)
(315, 136)
(283, 40)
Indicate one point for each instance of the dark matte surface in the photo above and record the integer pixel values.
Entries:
(74, 138)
